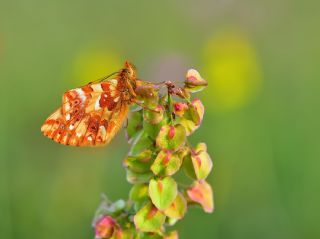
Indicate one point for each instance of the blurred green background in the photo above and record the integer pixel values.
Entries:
(261, 59)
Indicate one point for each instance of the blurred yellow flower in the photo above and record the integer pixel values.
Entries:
(232, 71)
(93, 64)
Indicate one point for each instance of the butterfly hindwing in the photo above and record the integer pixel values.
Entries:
(90, 115)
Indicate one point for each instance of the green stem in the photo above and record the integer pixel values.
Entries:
(170, 110)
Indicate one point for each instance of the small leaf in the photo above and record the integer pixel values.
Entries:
(134, 125)
(139, 194)
(148, 94)
(140, 163)
(194, 81)
(166, 163)
(201, 161)
(163, 192)
(171, 137)
(140, 143)
(201, 193)
(134, 178)
(199, 110)
(178, 208)
(153, 129)
(171, 221)
(149, 219)
(192, 117)
(154, 117)
(201, 147)
(188, 167)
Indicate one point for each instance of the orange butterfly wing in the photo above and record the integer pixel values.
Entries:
(90, 115)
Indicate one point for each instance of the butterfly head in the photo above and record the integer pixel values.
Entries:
(129, 71)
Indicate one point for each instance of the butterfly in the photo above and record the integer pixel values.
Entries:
(91, 115)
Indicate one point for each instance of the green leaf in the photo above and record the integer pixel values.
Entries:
(188, 167)
(166, 163)
(140, 163)
(134, 124)
(153, 129)
(149, 219)
(201, 193)
(171, 221)
(192, 117)
(163, 192)
(153, 117)
(199, 111)
(139, 194)
(171, 137)
(134, 178)
(201, 161)
(140, 143)
(178, 208)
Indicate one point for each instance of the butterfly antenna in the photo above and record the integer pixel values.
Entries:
(106, 77)
(103, 78)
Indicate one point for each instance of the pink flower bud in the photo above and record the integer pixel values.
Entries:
(201, 193)
(194, 79)
(179, 108)
(105, 227)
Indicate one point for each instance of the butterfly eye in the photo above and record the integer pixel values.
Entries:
(126, 71)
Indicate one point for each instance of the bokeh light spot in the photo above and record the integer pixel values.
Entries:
(93, 64)
(232, 70)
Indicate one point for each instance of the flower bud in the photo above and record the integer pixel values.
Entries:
(201, 192)
(105, 227)
(179, 108)
(194, 81)
(182, 93)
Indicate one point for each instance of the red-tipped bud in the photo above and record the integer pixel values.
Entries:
(179, 108)
(105, 227)
(194, 81)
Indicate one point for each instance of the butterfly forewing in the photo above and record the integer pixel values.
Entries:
(90, 115)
